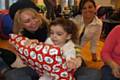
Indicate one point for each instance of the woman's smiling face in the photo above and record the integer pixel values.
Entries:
(88, 10)
(29, 20)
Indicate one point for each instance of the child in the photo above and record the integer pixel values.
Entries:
(63, 33)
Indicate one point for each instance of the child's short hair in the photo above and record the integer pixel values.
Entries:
(69, 26)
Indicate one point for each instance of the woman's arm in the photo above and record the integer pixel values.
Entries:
(110, 44)
(75, 63)
(108, 51)
(95, 38)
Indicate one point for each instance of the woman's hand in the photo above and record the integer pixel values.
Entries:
(29, 42)
(115, 70)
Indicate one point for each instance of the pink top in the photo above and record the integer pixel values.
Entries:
(111, 49)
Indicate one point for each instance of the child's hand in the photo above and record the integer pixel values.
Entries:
(115, 69)
(78, 62)
(71, 64)
(74, 63)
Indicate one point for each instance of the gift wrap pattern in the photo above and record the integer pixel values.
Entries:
(44, 58)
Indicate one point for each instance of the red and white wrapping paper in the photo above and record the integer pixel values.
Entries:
(44, 58)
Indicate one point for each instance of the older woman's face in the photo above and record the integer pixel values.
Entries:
(29, 21)
(88, 10)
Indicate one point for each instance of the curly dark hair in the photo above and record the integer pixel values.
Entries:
(69, 26)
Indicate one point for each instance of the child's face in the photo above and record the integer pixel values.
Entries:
(29, 21)
(58, 35)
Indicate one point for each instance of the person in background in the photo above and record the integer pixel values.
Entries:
(111, 55)
(63, 33)
(90, 26)
(80, 6)
(115, 15)
(51, 8)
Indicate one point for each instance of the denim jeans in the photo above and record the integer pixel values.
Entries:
(25, 73)
(8, 56)
(107, 73)
(86, 73)
(6, 59)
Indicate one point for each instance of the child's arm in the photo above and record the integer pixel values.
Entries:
(75, 62)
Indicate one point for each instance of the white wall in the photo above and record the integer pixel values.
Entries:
(101, 2)
(2, 4)
(104, 2)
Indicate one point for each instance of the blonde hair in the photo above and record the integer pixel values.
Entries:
(17, 20)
